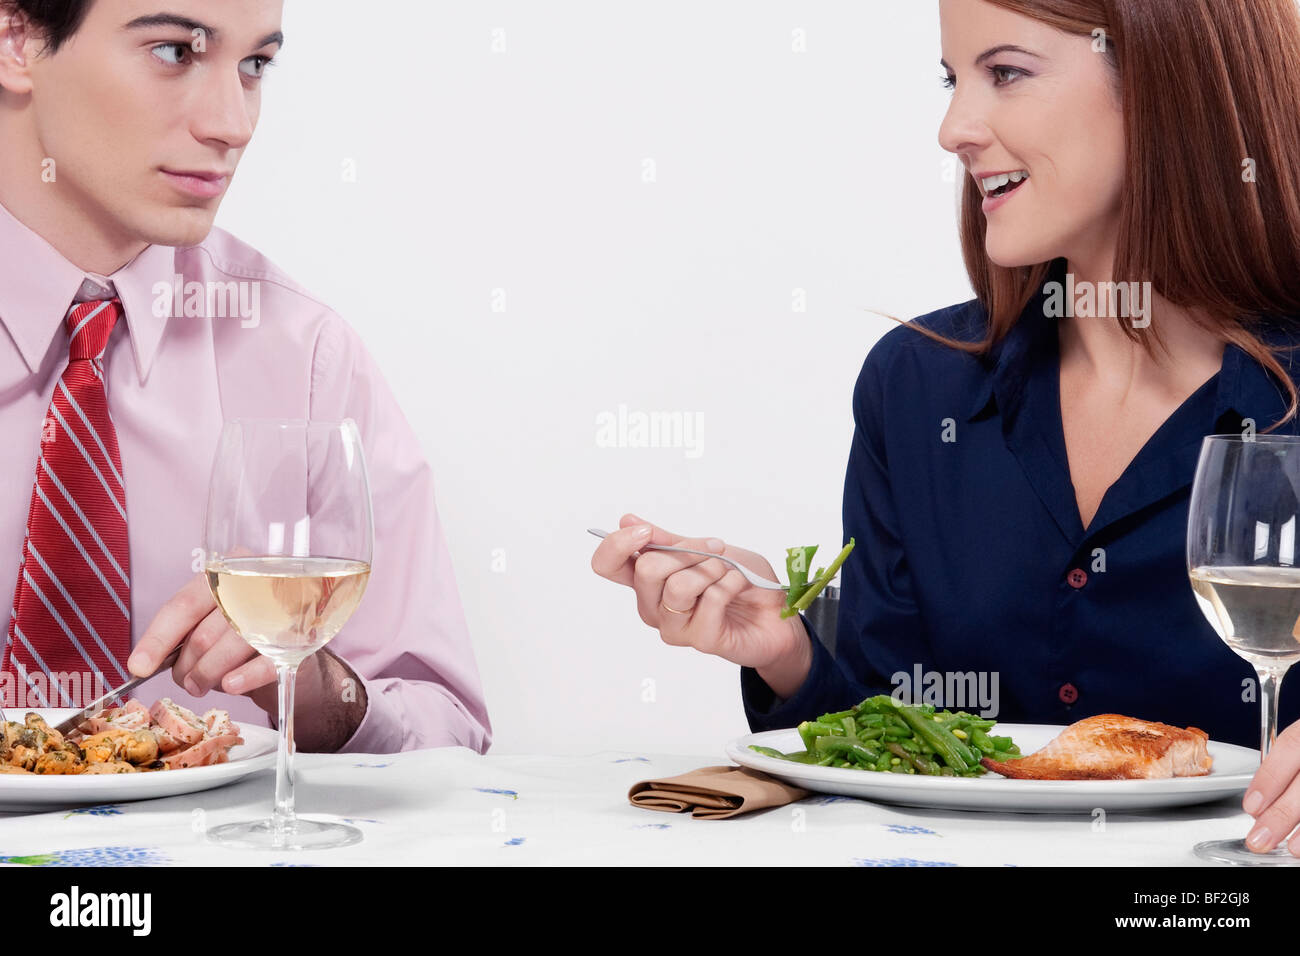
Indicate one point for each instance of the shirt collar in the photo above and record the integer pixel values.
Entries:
(1244, 390)
(1009, 360)
(38, 286)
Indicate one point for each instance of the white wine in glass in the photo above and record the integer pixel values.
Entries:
(288, 608)
(287, 551)
(1244, 567)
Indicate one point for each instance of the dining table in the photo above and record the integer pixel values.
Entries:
(453, 806)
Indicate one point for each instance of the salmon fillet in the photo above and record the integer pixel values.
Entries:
(1114, 747)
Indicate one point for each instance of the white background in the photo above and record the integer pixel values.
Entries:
(522, 171)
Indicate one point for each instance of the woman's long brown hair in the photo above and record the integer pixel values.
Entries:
(1206, 85)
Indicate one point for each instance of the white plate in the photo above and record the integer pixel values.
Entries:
(42, 792)
(1230, 774)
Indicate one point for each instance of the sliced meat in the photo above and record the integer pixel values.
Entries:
(167, 744)
(130, 720)
(209, 751)
(90, 727)
(218, 723)
(1114, 747)
(180, 722)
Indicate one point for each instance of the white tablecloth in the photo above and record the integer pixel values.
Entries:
(453, 806)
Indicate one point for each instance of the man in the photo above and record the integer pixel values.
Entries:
(133, 329)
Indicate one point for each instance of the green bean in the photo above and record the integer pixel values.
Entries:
(803, 756)
(880, 705)
(920, 763)
(836, 717)
(881, 734)
(844, 746)
(807, 734)
(953, 752)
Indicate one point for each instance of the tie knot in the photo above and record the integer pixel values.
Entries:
(89, 325)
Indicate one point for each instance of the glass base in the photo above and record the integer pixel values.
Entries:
(1237, 853)
(300, 835)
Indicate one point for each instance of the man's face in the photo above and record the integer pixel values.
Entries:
(125, 105)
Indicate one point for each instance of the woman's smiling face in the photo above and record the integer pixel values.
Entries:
(1045, 103)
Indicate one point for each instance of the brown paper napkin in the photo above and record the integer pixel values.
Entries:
(715, 793)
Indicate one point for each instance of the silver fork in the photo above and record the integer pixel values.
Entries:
(750, 576)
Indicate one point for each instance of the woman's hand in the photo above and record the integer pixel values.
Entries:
(706, 604)
(1274, 795)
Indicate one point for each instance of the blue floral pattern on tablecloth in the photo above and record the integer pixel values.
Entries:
(898, 861)
(93, 856)
(906, 828)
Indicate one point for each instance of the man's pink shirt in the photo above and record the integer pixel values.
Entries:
(173, 377)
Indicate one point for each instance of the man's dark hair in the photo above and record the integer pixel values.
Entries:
(53, 20)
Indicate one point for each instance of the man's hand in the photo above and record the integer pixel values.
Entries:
(329, 698)
(214, 656)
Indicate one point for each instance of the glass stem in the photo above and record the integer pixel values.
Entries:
(283, 818)
(1269, 680)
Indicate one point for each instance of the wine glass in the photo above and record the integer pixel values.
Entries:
(287, 548)
(1244, 566)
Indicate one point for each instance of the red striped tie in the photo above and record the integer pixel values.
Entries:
(70, 633)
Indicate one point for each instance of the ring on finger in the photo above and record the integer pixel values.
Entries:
(673, 609)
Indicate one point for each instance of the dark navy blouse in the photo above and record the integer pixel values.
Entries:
(972, 561)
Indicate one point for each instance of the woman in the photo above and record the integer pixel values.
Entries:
(1020, 471)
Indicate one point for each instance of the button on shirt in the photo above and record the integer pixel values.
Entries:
(246, 341)
(972, 560)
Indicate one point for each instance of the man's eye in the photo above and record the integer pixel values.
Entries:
(170, 49)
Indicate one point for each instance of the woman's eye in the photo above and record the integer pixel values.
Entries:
(179, 49)
(950, 82)
(259, 63)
